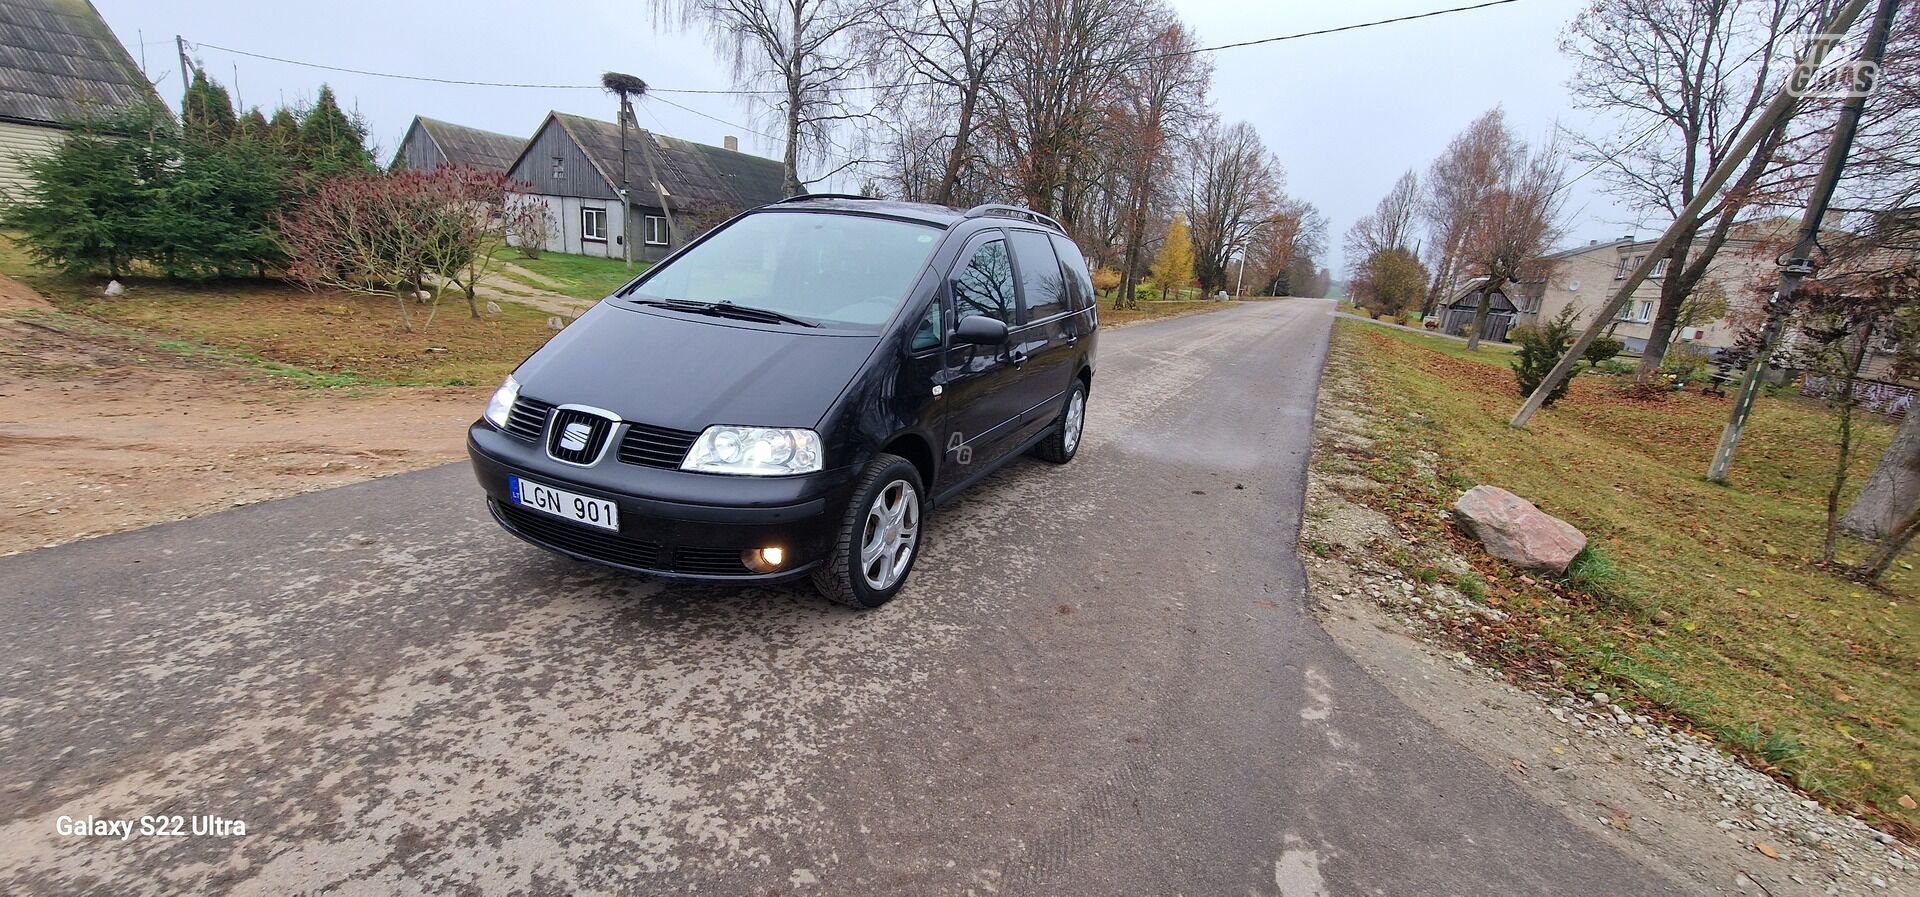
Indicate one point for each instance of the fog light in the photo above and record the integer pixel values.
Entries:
(763, 560)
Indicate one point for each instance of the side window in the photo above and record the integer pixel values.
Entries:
(928, 334)
(1079, 282)
(984, 286)
(1043, 290)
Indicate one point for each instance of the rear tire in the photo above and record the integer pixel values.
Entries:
(879, 538)
(1064, 442)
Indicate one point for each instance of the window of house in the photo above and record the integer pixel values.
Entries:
(657, 233)
(1043, 290)
(984, 286)
(1659, 268)
(1627, 264)
(1643, 311)
(559, 168)
(593, 225)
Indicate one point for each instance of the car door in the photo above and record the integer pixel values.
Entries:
(1040, 348)
(979, 383)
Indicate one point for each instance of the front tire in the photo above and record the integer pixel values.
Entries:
(879, 537)
(1060, 447)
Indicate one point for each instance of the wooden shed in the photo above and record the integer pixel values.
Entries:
(431, 143)
(1456, 316)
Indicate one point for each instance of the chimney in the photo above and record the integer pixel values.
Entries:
(731, 142)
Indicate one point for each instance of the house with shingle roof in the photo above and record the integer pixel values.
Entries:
(59, 62)
(572, 164)
(431, 143)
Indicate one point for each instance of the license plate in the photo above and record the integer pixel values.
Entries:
(563, 504)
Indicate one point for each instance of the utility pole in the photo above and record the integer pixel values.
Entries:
(1800, 262)
(180, 45)
(1783, 103)
(626, 202)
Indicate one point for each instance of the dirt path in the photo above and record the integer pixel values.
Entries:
(100, 436)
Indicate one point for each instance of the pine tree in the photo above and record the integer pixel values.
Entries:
(206, 113)
(253, 125)
(1172, 269)
(284, 130)
(331, 141)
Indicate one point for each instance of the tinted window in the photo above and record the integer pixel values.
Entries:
(1042, 287)
(838, 269)
(1079, 282)
(984, 286)
(927, 335)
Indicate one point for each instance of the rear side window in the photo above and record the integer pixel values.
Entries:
(984, 285)
(1041, 287)
(1079, 282)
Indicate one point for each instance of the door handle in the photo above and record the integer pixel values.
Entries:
(1017, 357)
(1073, 340)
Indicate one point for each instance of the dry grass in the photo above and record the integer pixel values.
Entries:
(1149, 311)
(1704, 601)
(326, 339)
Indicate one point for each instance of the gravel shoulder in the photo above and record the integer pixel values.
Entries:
(1669, 798)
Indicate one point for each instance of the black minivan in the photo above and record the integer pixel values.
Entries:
(790, 393)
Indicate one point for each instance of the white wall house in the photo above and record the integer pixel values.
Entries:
(58, 63)
(1586, 277)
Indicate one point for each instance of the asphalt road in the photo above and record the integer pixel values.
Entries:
(1102, 681)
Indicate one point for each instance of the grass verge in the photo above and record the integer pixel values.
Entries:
(1704, 602)
(1148, 311)
(579, 276)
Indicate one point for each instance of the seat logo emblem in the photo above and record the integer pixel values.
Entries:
(574, 437)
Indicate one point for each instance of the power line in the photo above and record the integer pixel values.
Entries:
(464, 82)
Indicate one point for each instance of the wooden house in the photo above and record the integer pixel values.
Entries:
(572, 164)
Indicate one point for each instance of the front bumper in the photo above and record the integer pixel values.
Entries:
(673, 524)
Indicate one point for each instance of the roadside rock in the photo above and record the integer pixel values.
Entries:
(1514, 530)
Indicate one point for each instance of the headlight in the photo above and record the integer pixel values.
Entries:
(757, 451)
(501, 404)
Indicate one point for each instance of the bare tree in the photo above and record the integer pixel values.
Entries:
(1165, 93)
(1515, 225)
(1237, 188)
(370, 234)
(1457, 183)
(1063, 67)
(1698, 72)
(806, 50)
(948, 49)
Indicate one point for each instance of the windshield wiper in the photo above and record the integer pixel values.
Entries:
(727, 309)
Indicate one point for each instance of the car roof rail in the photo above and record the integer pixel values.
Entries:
(1002, 210)
(803, 197)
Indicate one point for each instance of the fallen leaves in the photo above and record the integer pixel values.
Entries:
(1767, 850)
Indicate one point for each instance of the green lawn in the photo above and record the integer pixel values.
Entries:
(579, 276)
(1705, 602)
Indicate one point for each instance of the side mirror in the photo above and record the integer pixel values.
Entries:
(980, 330)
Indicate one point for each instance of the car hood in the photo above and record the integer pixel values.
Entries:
(688, 373)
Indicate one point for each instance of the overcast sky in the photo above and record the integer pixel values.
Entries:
(1345, 113)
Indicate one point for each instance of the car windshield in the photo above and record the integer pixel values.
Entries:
(834, 269)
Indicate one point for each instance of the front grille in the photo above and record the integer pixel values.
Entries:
(709, 561)
(655, 446)
(577, 436)
(600, 546)
(528, 418)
